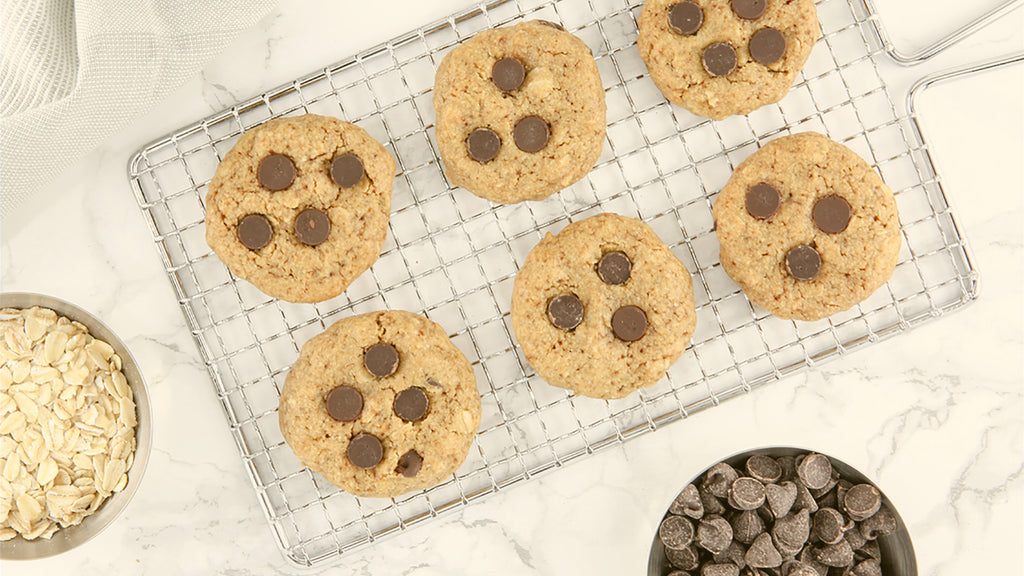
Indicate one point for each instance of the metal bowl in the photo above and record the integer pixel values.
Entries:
(67, 538)
(897, 550)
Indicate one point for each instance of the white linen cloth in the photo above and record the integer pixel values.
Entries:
(73, 72)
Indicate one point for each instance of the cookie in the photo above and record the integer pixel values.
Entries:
(299, 206)
(603, 308)
(381, 404)
(717, 58)
(520, 112)
(807, 229)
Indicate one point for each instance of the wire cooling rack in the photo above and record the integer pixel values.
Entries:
(452, 256)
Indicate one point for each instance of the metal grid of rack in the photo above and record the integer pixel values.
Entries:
(452, 256)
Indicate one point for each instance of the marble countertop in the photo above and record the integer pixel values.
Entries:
(935, 416)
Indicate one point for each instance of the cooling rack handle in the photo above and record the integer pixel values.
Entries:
(953, 73)
(912, 58)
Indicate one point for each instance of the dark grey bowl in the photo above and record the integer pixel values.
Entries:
(897, 551)
(67, 538)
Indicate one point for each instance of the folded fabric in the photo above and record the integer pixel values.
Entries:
(75, 71)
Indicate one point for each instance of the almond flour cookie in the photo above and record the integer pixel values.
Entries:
(381, 404)
(807, 228)
(520, 112)
(717, 58)
(299, 206)
(604, 308)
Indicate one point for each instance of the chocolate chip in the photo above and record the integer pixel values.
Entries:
(815, 471)
(804, 500)
(381, 359)
(719, 479)
(780, 497)
(733, 554)
(856, 538)
(675, 532)
(831, 214)
(746, 494)
(276, 172)
(797, 568)
(714, 534)
(629, 323)
(882, 523)
(344, 403)
(688, 503)
(763, 469)
(565, 311)
(678, 573)
(749, 9)
(767, 46)
(833, 481)
(312, 227)
(483, 144)
(836, 555)
(255, 231)
(791, 532)
(409, 464)
(869, 567)
(788, 465)
(809, 556)
(686, 18)
(551, 24)
(347, 170)
(828, 525)
(685, 559)
(746, 526)
(762, 553)
(531, 134)
(803, 262)
(711, 504)
(763, 201)
(869, 549)
(411, 404)
(862, 501)
(508, 74)
(720, 570)
(719, 59)
(365, 451)
(614, 268)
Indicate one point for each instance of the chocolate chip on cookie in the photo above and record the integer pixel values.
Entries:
(749, 9)
(483, 144)
(409, 464)
(629, 323)
(312, 227)
(347, 170)
(685, 18)
(719, 59)
(411, 404)
(531, 134)
(763, 201)
(381, 359)
(831, 214)
(508, 74)
(255, 231)
(565, 311)
(803, 262)
(344, 403)
(614, 268)
(276, 172)
(365, 451)
(767, 46)
(551, 24)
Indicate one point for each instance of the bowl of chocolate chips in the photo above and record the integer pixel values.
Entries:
(781, 512)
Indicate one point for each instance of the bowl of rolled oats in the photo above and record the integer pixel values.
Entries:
(75, 426)
(781, 512)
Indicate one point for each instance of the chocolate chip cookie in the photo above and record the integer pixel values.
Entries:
(603, 308)
(299, 206)
(520, 112)
(717, 58)
(381, 404)
(807, 228)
